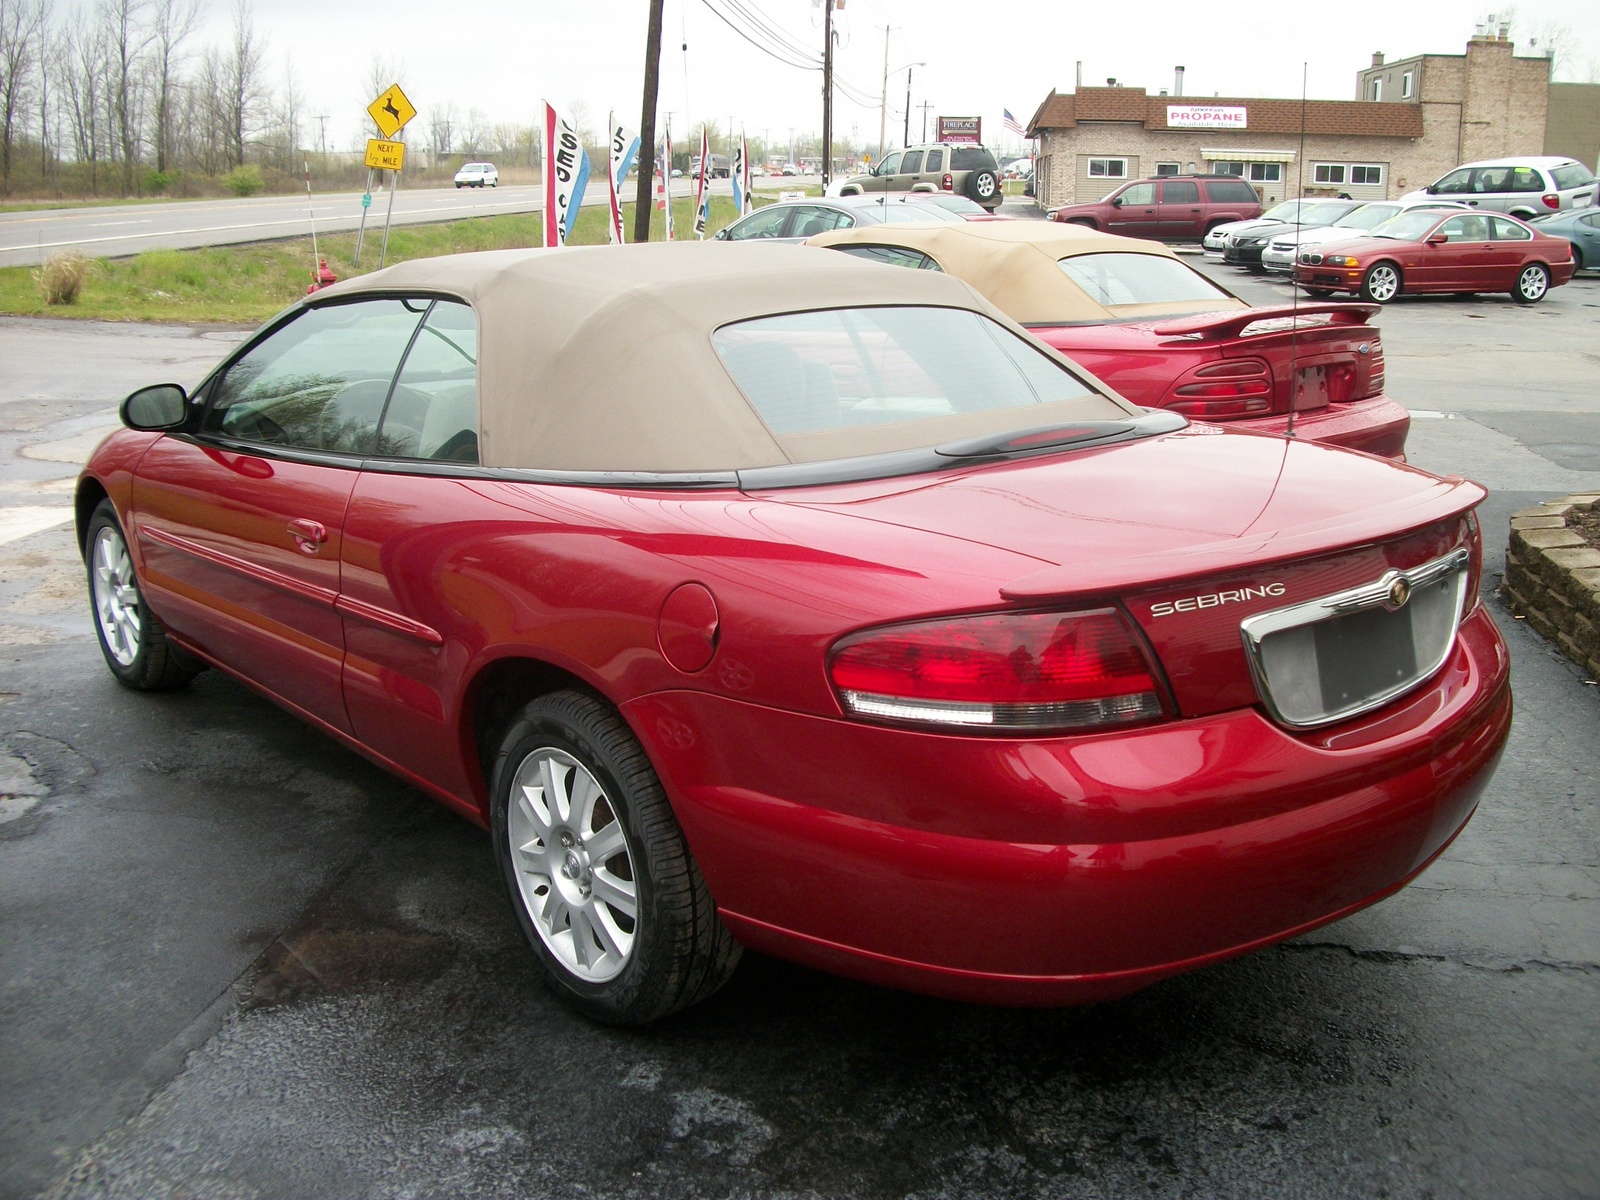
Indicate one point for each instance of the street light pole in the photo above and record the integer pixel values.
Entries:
(907, 140)
(827, 92)
(883, 96)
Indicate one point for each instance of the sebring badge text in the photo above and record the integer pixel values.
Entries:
(1215, 599)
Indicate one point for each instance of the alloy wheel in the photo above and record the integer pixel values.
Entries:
(116, 597)
(1532, 283)
(573, 865)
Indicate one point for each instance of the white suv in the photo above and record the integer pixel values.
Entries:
(1523, 187)
(478, 175)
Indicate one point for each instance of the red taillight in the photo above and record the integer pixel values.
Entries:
(1236, 387)
(948, 183)
(1000, 671)
(1475, 564)
(1376, 372)
(1551, 200)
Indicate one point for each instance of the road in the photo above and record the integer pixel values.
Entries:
(236, 960)
(112, 231)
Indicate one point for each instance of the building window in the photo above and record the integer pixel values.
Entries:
(1377, 89)
(1108, 168)
(1266, 172)
(1228, 168)
(1328, 172)
(1167, 168)
(1366, 173)
(1405, 86)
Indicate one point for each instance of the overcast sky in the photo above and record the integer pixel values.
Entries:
(981, 56)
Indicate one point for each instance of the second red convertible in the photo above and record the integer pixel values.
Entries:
(1432, 251)
(767, 598)
(1161, 333)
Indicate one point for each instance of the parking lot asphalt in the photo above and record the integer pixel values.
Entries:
(238, 961)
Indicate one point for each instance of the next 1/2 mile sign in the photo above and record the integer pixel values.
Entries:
(1206, 116)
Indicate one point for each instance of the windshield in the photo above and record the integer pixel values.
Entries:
(1407, 227)
(1113, 279)
(899, 214)
(1282, 212)
(1367, 216)
(838, 369)
(1325, 214)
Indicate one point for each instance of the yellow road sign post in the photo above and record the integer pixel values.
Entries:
(391, 111)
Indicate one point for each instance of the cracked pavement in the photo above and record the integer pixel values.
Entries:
(239, 961)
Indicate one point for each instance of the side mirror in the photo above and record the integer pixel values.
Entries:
(722, 234)
(156, 409)
(1116, 202)
(1432, 189)
(1437, 239)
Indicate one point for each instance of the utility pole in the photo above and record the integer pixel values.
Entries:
(925, 106)
(883, 107)
(906, 141)
(647, 126)
(827, 92)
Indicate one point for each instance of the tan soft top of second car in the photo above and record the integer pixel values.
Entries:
(600, 358)
(1016, 265)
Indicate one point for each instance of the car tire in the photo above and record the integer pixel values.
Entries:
(1533, 281)
(1382, 283)
(458, 187)
(1319, 293)
(1577, 258)
(132, 638)
(983, 186)
(582, 833)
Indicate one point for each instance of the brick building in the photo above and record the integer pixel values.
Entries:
(1414, 120)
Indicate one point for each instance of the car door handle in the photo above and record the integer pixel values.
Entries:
(309, 535)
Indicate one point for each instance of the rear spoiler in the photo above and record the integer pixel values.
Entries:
(1448, 497)
(1230, 323)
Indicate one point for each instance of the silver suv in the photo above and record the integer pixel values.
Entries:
(958, 167)
(1523, 187)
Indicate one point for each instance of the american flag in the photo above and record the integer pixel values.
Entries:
(1010, 123)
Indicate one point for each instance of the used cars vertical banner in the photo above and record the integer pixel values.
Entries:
(702, 194)
(741, 179)
(666, 177)
(566, 174)
(624, 149)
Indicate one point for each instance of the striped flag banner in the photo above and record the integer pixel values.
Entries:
(1011, 123)
(702, 193)
(624, 149)
(666, 179)
(566, 175)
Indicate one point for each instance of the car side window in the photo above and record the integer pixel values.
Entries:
(1455, 182)
(1466, 229)
(912, 163)
(890, 164)
(1139, 193)
(320, 382)
(1591, 219)
(1506, 230)
(810, 220)
(1492, 179)
(433, 410)
(894, 256)
(1180, 193)
(935, 161)
(1526, 179)
(767, 223)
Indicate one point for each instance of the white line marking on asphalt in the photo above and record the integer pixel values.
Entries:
(27, 520)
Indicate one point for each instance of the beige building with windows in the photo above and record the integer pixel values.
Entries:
(1416, 119)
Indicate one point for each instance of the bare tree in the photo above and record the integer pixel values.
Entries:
(475, 133)
(239, 80)
(22, 28)
(382, 74)
(84, 51)
(441, 130)
(126, 40)
(171, 24)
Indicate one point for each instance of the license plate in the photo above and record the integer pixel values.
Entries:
(1310, 388)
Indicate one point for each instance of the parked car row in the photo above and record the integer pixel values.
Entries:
(845, 613)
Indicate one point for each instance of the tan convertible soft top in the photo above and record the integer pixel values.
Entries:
(1015, 265)
(599, 358)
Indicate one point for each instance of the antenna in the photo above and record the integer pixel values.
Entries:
(1294, 301)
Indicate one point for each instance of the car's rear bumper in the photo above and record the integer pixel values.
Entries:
(1070, 869)
(1377, 425)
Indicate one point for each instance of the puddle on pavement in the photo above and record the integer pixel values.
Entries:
(308, 963)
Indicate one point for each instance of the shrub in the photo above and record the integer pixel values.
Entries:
(62, 277)
(156, 182)
(245, 180)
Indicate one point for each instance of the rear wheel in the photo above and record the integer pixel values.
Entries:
(131, 637)
(1577, 259)
(984, 187)
(1533, 281)
(1381, 284)
(598, 870)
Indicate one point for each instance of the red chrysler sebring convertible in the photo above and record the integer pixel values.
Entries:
(1428, 250)
(1160, 332)
(768, 598)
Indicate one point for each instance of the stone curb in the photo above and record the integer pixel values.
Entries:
(1552, 577)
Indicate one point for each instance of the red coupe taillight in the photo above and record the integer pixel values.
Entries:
(1236, 387)
(948, 183)
(1551, 200)
(1002, 671)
